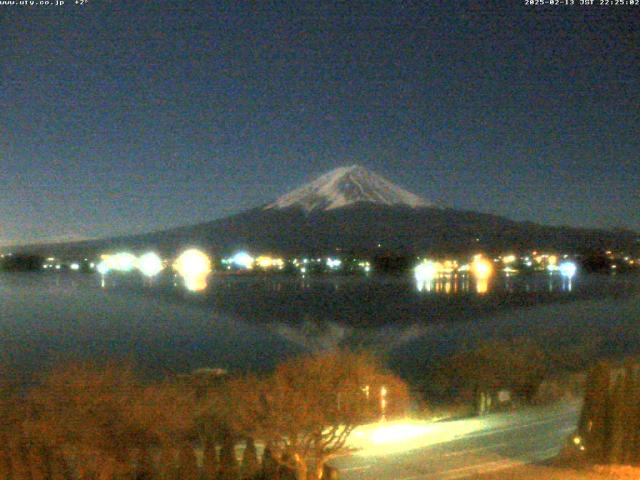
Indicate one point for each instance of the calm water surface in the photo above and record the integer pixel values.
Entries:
(251, 322)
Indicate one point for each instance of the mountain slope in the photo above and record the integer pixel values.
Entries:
(353, 209)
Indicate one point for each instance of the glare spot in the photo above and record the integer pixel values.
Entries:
(242, 260)
(194, 266)
(568, 269)
(150, 264)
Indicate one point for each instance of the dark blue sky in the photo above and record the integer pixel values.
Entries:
(126, 116)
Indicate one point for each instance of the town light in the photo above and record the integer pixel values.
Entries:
(568, 269)
(267, 262)
(103, 267)
(243, 260)
(507, 259)
(194, 267)
(334, 263)
(122, 262)
(482, 270)
(150, 264)
(426, 271)
(481, 267)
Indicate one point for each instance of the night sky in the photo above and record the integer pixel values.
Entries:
(129, 116)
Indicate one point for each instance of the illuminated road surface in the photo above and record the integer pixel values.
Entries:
(458, 449)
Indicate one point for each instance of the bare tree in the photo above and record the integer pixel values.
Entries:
(309, 406)
(81, 411)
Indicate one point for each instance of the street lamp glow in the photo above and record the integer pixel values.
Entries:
(507, 259)
(150, 264)
(266, 262)
(334, 263)
(568, 269)
(482, 270)
(75, 267)
(426, 271)
(103, 267)
(194, 267)
(243, 260)
(481, 267)
(122, 262)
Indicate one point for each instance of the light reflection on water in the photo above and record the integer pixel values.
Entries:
(452, 284)
(445, 284)
(316, 312)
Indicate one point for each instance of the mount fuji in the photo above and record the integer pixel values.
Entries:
(352, 209)
(346, 186)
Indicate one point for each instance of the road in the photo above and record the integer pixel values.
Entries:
(457, 449)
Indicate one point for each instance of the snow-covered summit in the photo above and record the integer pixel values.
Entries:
(347, 186)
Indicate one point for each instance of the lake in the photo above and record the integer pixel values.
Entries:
(252, 322)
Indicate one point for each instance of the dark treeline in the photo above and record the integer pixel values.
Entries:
(527, 372)
(87, 422)
(610, 421)
(21, 263)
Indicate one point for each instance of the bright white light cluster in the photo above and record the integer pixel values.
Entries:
(194, 266)
(334, 263)
(103, 267)
(426, 271)
(121, 262)
(568, 269)
(243, 260)
(150, 264)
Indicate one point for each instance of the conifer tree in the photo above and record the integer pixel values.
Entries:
(249, 467)
(228, 462)
(60, 469)
(38, 466)
(144, 466)
(20, 462)
(633, 454)
(5, 460)
(210, 463)
(618, 414)
(594, 420)
(167, 468)
(269, 465)
(187, 463)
